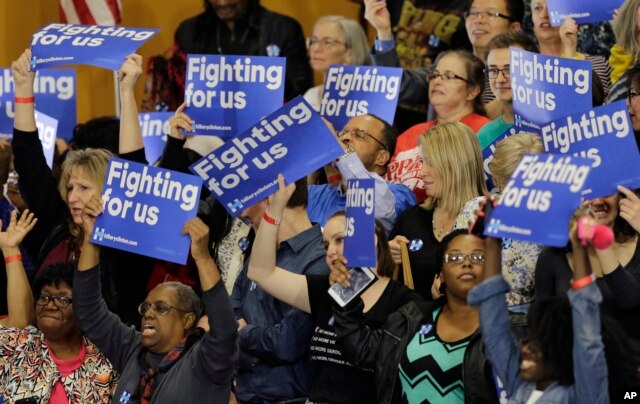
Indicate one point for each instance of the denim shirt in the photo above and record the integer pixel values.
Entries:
(589, 364)
(273, 363)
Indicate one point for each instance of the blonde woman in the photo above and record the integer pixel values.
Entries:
(452, 173)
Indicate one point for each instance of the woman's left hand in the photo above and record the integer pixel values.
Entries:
(17, 229)
(278, 201)
(199, 233)
(90, 212)
(339, 272)
(630, 207)
(130, 71)
(569, 37)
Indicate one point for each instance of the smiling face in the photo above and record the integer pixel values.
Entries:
(329, 47)
(53, 321)
(605, 210)
(499, 58)
(333, 238)
(450, 97)
(481, 30)
(80, 189)
(229, 10)
(460, 277)
(542, 23)
(162, 332)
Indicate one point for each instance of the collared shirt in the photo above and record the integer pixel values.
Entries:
(274, 364)
(390, 199)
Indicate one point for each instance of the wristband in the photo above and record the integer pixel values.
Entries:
(8, 260)
(24, 100)
(346, 153)
(272, 220)
(582, 282)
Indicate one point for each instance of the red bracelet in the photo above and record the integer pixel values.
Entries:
(270, 219)
(582, 282)
(8, 260)
(24, 100)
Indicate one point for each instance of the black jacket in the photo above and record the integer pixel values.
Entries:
(205, 34)
(383, 349)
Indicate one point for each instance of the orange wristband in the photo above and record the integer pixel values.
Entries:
(582, 282)
(24, 100)
(8, 260)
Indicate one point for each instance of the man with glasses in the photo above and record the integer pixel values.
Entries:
(498, 58)
(484, 19)
(244, 27)
(368, 143)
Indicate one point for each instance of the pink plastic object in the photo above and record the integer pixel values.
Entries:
(600, 235)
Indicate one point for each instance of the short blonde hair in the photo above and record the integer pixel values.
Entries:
(93, 163)
(508, 153)
(625, 27)
(354, 37)
(453, 150)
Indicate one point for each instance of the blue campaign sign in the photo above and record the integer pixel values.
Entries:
(350, 91)
(487, 155)
(604, 135)
(101, 46)
(539, 199)
(583, 11)
(47, 129)
(155, 128)
(145, 210)
(293, 141)
(227, 94)
(359, 239)
(55, 92)
(545, 87)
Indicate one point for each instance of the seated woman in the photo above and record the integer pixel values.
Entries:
(563, 359)
(455, 92)
(423, 339)
(52, 362)
(452, 174)
(336, 381)
(170, 361)
(58, 236)
(335, 40)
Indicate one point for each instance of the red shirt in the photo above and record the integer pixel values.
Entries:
(65, 367)
(404, 167)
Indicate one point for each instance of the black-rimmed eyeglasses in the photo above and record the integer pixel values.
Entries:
(59, 301)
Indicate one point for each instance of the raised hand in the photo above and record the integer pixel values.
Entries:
(630, 207)
(376, 12)
(22, 75)
(17, 229)
(130, 71)
(179, 121)
(569, 37)
(92, 209)
(199, 233)
(278, 201)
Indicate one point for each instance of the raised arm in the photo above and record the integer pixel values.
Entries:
(285, 286)
(173, 155)
(111, 336)
(23, 77)
(19, 296)
(130, 131)
(218, 350)
(589, 362)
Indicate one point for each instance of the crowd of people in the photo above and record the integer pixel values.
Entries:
(452, 316)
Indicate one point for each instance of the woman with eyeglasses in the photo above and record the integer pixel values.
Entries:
(455, 92)
(563, 41)
(170, 360)
(336, 40)
(451, 170)
(52, 362)
(426, 351)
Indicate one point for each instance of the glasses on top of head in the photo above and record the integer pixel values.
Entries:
(325, 42)
(486, 14)
(59, 301)
(160, 308)
(446, 76)
(492, 72)
(360, 135)
(476, 257)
